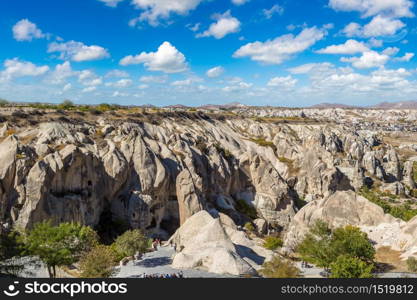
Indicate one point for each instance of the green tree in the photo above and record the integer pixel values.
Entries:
(130, 242)
(59, 245)
(322, 246)
(3, 102)
(66, 105)
(279, 268)
(98, 263)
(315, 247)
(10, 251)
(412, 264)
(350, 267)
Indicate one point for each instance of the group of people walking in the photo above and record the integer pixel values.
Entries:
(162, 276)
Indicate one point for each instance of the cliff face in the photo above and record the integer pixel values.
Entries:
(156, 175)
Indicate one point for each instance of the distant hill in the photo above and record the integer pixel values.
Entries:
(333, 105)
(397, 105)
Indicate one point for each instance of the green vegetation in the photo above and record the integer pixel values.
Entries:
(10, 247)
(350, 267)
(59, 245)
(412, 264)
(98, 263)
(264, 143)
(3, 102)
(290, 163)
(66, 105)
(131, 242)
(279, 268)
(272, 243)
(249, 227)
(249, 210)
(323, 247)
(404, 211)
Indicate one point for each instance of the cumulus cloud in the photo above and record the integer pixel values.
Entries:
(368, 8)
(378, 26)
(276, 9)
(111, 3)
(122, 83)
(14, 68)
(215, 72)
(224, 25)
(167, 59)
(153, 79)
(407, 57)
(155, 10)
(349, 47)
(117, 73)
(281, 48)
(287, 82)
(61, 73)
(369, 59)
(77, 51)
(89, 89)
(239, 2)
(89, 78)
(25, 30)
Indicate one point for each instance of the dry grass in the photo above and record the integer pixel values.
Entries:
(390, 260)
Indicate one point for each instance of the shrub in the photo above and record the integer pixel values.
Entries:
(130, 242)
(66, 105)
(249, 227)
(412, 264)
(98, 263)
(322, 246)
(264, 143)
(350, 267)
(249, 210)
(273, 243)
(279, 268)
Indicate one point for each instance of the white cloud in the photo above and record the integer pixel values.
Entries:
(122, 83)
(276, 9)
(111, 3)
(77, 51)
(184, 82)
(14, 68)
(281, 48)
(153, 79)
(67, 87)
(25, 30)
(61, 73)
(369, 59)
(236, 85)
(368, 8)
(407, 57)
(119, 94)
(154, 10)
(117, 73)
(89, 78)
(167, 59)
(390, 51)
(287, 82)
(215, 72)
(143, 86)
(379, 26)
(349, 47)
(89, 89)
(239, 2)
(225, 25)
(194, 28)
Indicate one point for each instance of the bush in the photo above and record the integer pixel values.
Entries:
(98, 263)
(264, 143)
(322, 246)
(10, 248)
(350, 267)
(66, 105)
(279, 268)
(130, 242)
(273, 243)
(249, 227)
(412, 264)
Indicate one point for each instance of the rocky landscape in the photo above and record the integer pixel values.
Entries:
(198, 176)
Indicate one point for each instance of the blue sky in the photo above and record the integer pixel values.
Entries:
(194, 52)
